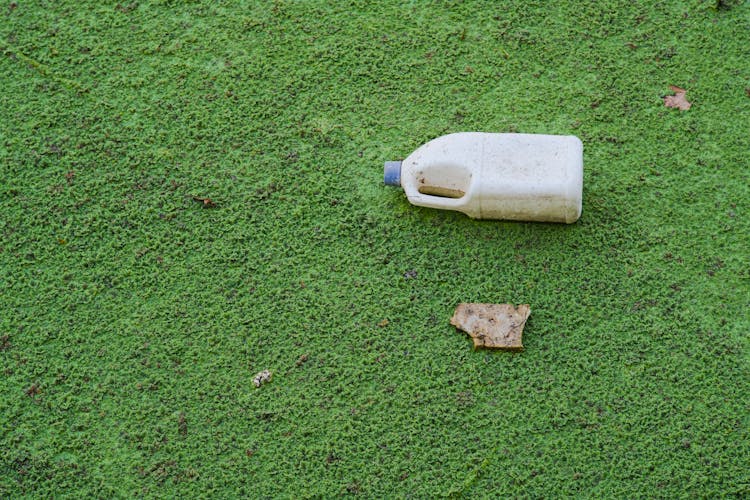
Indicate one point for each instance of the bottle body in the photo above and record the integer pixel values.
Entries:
(527, 177)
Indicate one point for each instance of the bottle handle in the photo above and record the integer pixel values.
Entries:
(431, 200)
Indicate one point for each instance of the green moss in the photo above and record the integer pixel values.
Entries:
(128, 305)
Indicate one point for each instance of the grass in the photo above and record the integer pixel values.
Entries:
(133, 319)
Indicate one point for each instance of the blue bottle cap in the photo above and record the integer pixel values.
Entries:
(392, 173)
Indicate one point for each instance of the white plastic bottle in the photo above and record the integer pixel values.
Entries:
(526, 177)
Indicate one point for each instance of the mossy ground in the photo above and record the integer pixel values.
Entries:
(133, 319)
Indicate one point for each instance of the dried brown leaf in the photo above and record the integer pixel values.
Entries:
(677, 100)
(207, 202)
(495, 326)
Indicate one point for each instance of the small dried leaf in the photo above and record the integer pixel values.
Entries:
(677, 100)
(495, 326)
(383, 323)
(207, 202)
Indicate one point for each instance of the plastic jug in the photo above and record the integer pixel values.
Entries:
(526, 177)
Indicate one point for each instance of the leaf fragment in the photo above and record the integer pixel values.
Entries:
(207, 202)
(495, 326)
(677, 100)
